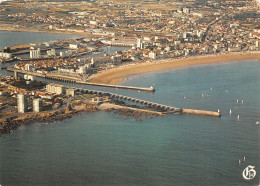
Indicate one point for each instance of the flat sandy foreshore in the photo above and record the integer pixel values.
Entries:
(119, 74)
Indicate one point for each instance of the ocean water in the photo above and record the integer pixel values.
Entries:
(104, 148)
(8, 38)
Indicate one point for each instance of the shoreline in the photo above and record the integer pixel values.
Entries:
(13, 122)
(44, 31)
(7, 125)
(120, 74)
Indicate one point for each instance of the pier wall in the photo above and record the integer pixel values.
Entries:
(201, 112)
(150, 89)
(76, 80)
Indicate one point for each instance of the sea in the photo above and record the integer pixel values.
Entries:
(104, 148)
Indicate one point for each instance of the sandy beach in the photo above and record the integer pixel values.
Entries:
(119, 74)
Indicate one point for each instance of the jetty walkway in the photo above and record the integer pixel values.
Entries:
(133, 100)
(163, 108)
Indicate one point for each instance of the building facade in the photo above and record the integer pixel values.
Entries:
(37, 105)
(22, 103)
(35, 53)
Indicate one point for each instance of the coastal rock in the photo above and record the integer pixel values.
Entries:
(12, 123)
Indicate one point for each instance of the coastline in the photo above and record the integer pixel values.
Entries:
(11, 123)
(119, 74)
(8, 124)
(4, 28)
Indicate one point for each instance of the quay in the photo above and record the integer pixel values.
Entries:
(7, 60)
(70, 79)
(119, 43)
(56, 57)
(26, 51)
(150, 89)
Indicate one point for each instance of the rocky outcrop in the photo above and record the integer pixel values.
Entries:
(134, 113)
(9, 124)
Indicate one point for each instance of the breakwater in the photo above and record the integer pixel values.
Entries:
(201, 112)
(160, 107)
(72, 79)
(150, 89)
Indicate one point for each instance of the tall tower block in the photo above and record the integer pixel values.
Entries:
(139, 43)
(37, 105)
(22, 103)
(15, 74)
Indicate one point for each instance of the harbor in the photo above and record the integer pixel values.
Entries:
(165, 108)
(129, 92)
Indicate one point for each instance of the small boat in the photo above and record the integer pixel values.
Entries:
(230, 111)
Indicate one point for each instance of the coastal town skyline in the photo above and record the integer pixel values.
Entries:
(156, 84)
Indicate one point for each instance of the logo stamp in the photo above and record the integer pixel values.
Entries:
(249, 172)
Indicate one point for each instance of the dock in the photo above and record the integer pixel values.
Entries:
(150, 89)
